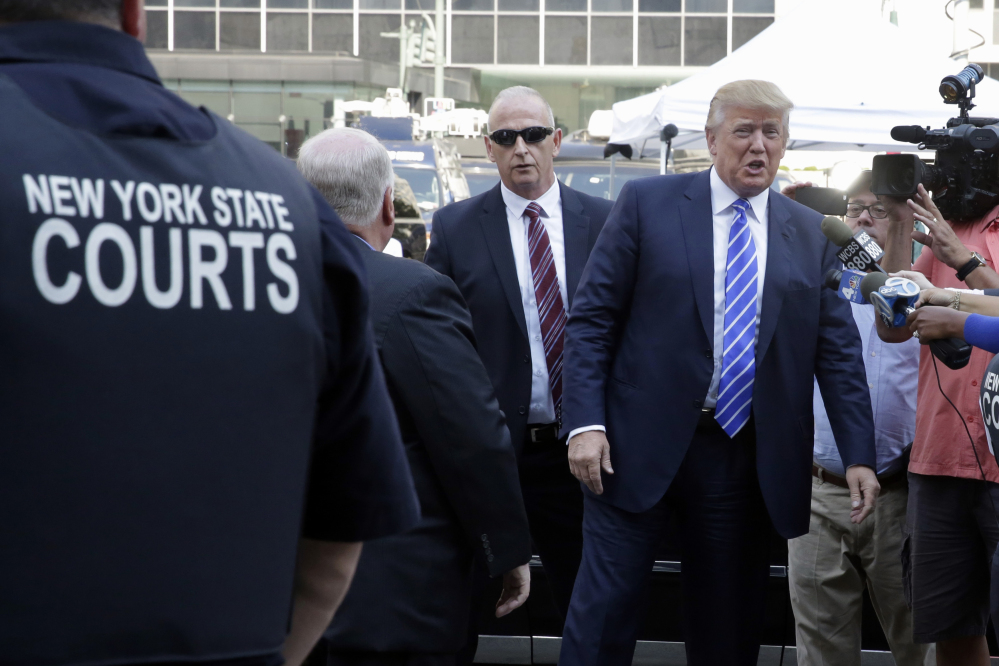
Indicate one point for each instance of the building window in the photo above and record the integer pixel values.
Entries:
(704, 40)
(744, 29)
(472, 5)
(975, 4)
(194, 30)
(194, 3)
(239, 31)
(659, 40)
(565, 6)
(156, 30)
(287, 32)
(659, 5)
(287, 4)
(753, 7)
(611, 5)
(707, 6)
(472, 40)
(611, 41)
(380, 4)
(333, 32)
(333, 4)
(518, 6)
(240, 4)
(518, 41)
(995, 27)
(372, 45)
(156, 3)
(565, 40)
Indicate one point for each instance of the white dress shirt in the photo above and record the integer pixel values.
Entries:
(542, 407)
(723, 216)
(892, 376)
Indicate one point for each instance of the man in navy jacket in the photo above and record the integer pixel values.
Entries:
(698, 325)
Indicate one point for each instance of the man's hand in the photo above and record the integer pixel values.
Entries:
(916, 277)
(516, 589)
(898, 209)
(589, 452)
(934, 323)
(864, 489)
(942, 240)
(791, 189)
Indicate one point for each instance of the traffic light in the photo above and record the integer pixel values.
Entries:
(429, 42)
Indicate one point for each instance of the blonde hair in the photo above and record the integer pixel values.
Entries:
(750, 94)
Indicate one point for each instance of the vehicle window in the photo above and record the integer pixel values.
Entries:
(594, 179)
(481, 182)
(425, 186)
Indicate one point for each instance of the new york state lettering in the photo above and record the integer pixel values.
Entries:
(239, 222)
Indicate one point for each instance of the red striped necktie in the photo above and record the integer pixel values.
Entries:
(551, 311)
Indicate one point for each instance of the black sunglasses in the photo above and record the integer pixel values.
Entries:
(507, 137)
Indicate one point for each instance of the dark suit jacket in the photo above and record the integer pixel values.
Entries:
(638, 347)
(411, 591)
(471, 245)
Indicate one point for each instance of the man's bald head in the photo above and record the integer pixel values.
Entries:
(521, 96)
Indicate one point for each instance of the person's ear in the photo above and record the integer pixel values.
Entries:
(489, 149)
(133, 18)
(709, 134)
(557, 140)
(388, 207)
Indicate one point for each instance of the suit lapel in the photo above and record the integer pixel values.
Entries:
(696, 222)
(780, 235)
(496, 229)
(576, 232)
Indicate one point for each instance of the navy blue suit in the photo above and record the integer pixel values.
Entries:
(471, 245)
(638, 360)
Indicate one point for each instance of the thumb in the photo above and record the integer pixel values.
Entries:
(920, 237)
(855, 498)
(605, 460)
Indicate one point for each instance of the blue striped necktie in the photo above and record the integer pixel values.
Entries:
(735, 392)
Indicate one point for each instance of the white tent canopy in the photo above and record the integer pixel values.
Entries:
(870, 76)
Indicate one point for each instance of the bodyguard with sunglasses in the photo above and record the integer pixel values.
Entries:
(830, 567)
(516, 253)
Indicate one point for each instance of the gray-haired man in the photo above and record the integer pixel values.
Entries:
(408, 605)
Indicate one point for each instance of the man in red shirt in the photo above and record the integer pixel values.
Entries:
(951, 530)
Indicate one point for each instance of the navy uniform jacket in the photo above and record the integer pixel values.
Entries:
(154, 462)
(411, 592)
(471, 245)
(638, 356)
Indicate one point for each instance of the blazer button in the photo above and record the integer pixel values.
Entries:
(707, 353)
(522, 409)
(527, 358)
(490, 558)
(485, 538)
(697, 404)
(485, 544)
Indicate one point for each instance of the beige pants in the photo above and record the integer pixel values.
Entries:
(829, 568)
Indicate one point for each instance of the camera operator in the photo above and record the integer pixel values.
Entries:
(830, 567)
(950, 525)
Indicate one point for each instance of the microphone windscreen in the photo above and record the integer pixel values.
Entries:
(908, 133)
(836, 230)
(832, 279)
(670, 131)
(871, 283)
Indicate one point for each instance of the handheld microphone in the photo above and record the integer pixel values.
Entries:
(858, 251)
(894, 298)
(846, 284)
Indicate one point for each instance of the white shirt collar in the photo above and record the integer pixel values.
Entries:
(518, 204)
(723, 197)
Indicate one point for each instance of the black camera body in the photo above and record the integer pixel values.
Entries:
(964, 176)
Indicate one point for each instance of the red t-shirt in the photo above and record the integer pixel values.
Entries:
(941, 446)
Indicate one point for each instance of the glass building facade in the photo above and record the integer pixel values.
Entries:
(582, 54)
